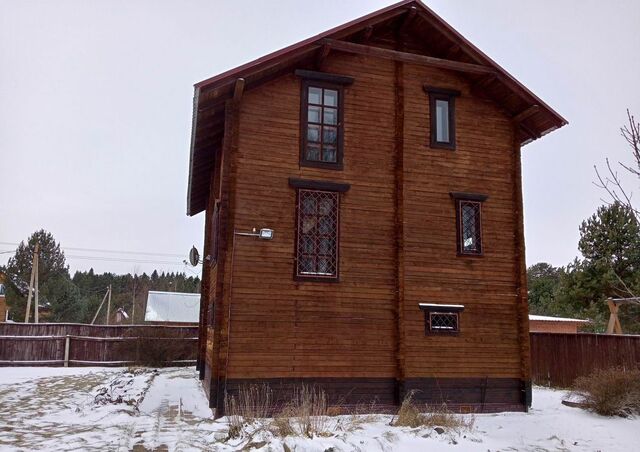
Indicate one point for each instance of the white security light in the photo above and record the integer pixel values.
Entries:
(266, 234)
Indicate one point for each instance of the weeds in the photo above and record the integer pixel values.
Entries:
(410, 415)
(610, 392)
(306, 414)
(252, 403)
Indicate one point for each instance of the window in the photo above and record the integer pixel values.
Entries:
(470, 240)
(469, 223)
(322, 131)
(441, 318)
(442, 112)
(443, 321)
(317, 234)
(321, 118)
(1, 289)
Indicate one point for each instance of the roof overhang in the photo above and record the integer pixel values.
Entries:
(534, 117)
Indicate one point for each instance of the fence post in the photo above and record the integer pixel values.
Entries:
(66, 350)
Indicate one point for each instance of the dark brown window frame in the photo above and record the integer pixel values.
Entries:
(441, 309)
(324, 81)
(326, 187)
(449, 96)
(474, 198)
(315, 277)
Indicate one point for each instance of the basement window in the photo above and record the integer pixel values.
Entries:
(442, 112)
(441, 318)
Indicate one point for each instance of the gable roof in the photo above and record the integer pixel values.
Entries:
(172, 307)
(443, 47)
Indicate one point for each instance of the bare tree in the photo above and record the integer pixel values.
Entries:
(611, 181)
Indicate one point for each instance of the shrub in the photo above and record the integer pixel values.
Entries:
(154, 347)
(609, 392)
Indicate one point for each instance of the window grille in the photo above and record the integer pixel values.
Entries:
(443, 322)
(317, 234)
(470, 227)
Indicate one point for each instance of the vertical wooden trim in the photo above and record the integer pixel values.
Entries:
(204, 297)
(220, 295)
(521, 275)
(399, 227)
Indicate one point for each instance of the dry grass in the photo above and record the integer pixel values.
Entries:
(307, 414)
(610, 392)
(252, 403)
(412, 415)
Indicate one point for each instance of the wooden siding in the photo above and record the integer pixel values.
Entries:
(284, 328)
(397, 240)
(483, 162)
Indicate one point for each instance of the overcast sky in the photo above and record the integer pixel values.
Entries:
(96, 98)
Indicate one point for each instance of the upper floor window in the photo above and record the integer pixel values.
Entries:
(442, 112)
(469, 223)
(322, 143)
(317, 229)
(1, 289)
(321, 119)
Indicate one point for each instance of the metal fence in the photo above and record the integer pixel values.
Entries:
(558, 359)
(60, 344)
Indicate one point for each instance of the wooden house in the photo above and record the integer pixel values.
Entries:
(547, 324)
(382, 160)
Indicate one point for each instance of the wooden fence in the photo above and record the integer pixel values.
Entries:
(558, 359)
(68, 344)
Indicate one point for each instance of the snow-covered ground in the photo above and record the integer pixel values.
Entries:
(87, 409)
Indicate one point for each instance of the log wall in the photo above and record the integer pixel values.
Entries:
(397, 242)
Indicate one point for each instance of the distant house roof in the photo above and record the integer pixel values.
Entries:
(172, 307)
(544, 318)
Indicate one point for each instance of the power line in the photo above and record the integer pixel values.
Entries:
(98, 250)
(115, 259)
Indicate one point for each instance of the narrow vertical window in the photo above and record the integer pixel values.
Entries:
(470, 228)
(442, 112)
(322, 125)
(317, 234)
(469, 223)
(442, 121)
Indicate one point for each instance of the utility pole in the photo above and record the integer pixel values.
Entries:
(109, 305)
(133, 301)
(101, 303)
(37, 288)
(34, 272)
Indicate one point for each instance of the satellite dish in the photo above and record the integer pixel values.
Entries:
(194, 256)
